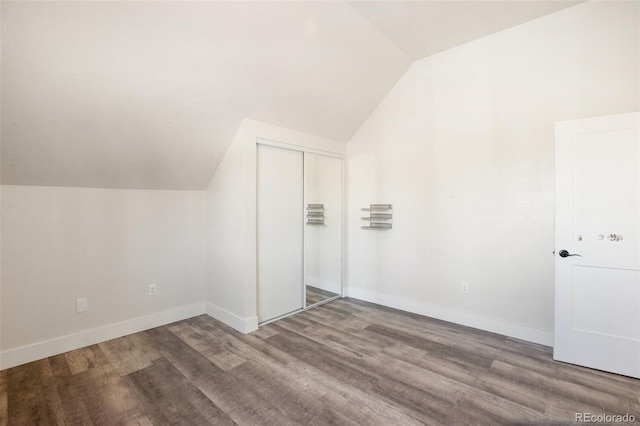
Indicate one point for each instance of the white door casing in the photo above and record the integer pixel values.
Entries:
(597, 295)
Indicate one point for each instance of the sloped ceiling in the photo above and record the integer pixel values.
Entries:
(422, 28)
(149, 94)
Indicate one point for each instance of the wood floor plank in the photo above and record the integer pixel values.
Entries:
(350, 341)
(361, 409)
(214, 352)
(73, 406)
(347, 362)
(331, 359)
(317, 340)
(610, 383)
(337, 319)
(315, 295)
(563, 389)
(215, 335)
(129, 353)
(108, 397)
(268, 350)
(299, 322)
(462, 338)
(189, 361)
(172, 399)
(340, 307)
(86, 358)
(465, 358)
(356, 372)
(241, 403)
(264, 332)
(360, 405)
(298, 407)
(485, 408)
(4, 418)
(30, 395)
(244, 346)
(434, 363)
(434, 329)
(332, 417)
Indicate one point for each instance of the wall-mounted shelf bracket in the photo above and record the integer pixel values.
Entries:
(380, 216)
(315, 214)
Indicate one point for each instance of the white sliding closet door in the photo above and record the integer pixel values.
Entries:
(280, 231)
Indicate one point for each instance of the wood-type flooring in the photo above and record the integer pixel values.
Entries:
(316, 295)
(344, 363)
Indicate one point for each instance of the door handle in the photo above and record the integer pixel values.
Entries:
(564, 253)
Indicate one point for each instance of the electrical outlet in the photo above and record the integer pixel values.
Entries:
(153, 290)
(464, 287)
(82, 305)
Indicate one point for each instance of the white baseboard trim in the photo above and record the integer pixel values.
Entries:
(33, 352)
(493, 325)
(322, 284)
(243, 325)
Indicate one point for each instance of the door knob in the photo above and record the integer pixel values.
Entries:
(564, 253)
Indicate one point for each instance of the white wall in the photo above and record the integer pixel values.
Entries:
(228, 240)
(463, 148)
(231, 221)
(60, 244)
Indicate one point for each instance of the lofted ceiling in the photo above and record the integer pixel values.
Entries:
(149, 94)
(422, 28)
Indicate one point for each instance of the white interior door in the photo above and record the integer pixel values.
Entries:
(280, 231)
(597, 298)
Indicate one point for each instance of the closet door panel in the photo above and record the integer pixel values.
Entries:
(280, 231)
(323, 242)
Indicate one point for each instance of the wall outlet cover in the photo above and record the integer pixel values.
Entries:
(82, 305)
